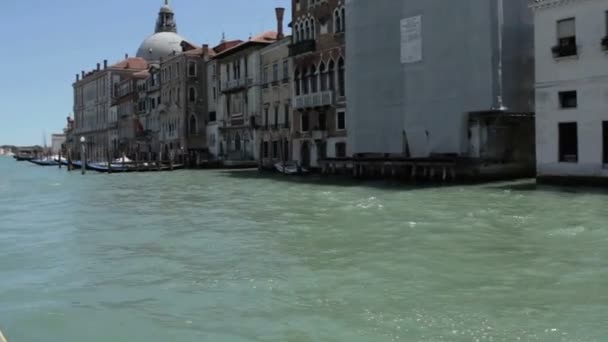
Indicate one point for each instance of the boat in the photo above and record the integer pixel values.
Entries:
(46, 161)
(290, 168)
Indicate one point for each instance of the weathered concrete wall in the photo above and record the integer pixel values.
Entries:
(427, 102)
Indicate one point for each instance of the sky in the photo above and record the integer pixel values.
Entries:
(47, 42)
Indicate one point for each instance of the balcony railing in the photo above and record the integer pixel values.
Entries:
(324, 98)
(233, 85)
(302, 47)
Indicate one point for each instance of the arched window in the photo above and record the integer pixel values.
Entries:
(331, 74)
(307, 30)
(312, 28)
(296, 33)
(337, 21)
(302, 36)
(305, 80)
(343, 15)
(297, 82)
(191, 68)
(192, 125)
(313, 80)
(192, 94)
(323, 72)
(341, 80)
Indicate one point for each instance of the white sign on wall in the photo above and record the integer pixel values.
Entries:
(411, 39)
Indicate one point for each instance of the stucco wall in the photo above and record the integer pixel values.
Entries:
(586, 73)
(428, 101)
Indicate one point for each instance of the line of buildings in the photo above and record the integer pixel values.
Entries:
(429, 89)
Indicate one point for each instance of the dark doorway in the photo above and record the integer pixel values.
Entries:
(568, 142)
(305, 154)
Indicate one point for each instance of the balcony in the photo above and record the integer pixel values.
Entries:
(233, 85)
(302, 47)
(566, 47)
(324, 98)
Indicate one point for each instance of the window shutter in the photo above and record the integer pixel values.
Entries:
(566, 28)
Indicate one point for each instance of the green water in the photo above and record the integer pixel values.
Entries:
(232, 256)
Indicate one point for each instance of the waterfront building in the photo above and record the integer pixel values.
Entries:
(183, 110)
(571, 83)
(57, 143)
(215, 147)
(274, 138)
(319, 58)
(239, 105)
(94, 95)
(435, 78)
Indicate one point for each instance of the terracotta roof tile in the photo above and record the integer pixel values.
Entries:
(137, 63)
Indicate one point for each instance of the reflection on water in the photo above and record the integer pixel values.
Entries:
(233, 256)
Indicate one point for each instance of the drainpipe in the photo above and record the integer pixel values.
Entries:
(498, 104)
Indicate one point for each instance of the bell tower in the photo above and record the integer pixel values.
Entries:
(166, 19)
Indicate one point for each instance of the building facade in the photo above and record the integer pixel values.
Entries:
(239, 104)
(571, 89)
(319, 91)
(95, 100)
(275, 139)
(418, 69)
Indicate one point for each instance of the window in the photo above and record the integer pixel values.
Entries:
(275, 72)
(266, 117)
(191, 68)
(212, 116)
(169, 74)
(312, 28)
(285, 71)
(305, 122)
(341, 121)
(605, 140)
(322, 121)
(297, 82)
(566, 38)
(568, 142)
(265, 75)
(341, 79)
(313, 79)
(214, 93)
(322, 150)
(286, 114)
(305, 79)
(265, 149)
(306, 30)
(296, 33)
(339, 20)
(275, 149)
(276, 116)
(192, 94)
(340, 150)
(323, 72)
(331, 74)
(192, 125)
(568, 99)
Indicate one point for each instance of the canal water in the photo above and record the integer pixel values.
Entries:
(234, 256)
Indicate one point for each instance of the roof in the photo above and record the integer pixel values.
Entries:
(267, 37)
(130, 63)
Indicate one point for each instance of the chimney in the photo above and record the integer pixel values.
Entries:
(126, 55)
(105, 64)
(98, 66)
(82, 74)
(280, 12)
(205, 49)
(77, 77)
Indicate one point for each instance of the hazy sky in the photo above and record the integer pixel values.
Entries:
(47, 42)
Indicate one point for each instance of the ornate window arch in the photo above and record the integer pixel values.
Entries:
(341, 77)
(323, 72)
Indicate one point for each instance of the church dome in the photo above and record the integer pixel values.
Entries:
(160, 45)
(166, 9)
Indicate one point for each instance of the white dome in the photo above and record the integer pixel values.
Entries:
(160, 45)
